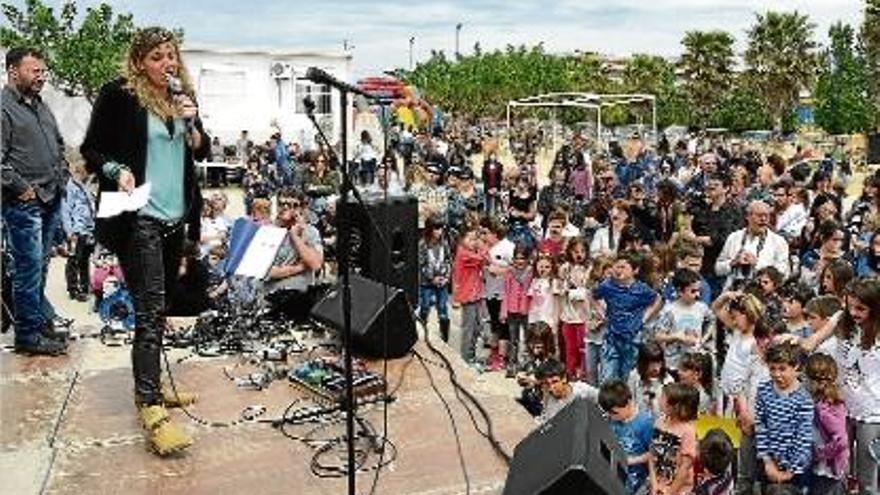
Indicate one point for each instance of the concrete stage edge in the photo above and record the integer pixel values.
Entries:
(94, 445)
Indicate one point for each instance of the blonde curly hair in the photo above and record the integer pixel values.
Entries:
(137, 83)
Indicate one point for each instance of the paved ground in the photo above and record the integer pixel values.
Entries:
(67, 426)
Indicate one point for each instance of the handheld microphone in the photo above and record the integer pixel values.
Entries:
(175, 88)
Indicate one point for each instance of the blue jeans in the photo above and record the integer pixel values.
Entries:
(30, 228)
(594, 354)
(618, 357)
(431, 295)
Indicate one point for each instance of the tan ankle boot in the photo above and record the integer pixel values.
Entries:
(169, 398)
(178, 397)
(163, 436)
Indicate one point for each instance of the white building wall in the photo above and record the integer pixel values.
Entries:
(237, 91)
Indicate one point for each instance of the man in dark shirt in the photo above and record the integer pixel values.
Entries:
(33, 177)
(713, 223)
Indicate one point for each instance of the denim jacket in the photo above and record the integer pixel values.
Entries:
(78, 210)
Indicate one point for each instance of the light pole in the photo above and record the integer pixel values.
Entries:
(412, 41)
(457, 36)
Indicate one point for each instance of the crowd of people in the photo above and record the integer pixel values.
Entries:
(672, 285)
(666, 282)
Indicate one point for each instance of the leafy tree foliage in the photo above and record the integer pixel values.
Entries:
(707, 69)
(871, 45)
(81, 58)
(842, 105)
(781, 60)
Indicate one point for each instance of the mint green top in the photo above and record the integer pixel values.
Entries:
(164, 171)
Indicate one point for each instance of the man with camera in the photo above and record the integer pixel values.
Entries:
(752, 248)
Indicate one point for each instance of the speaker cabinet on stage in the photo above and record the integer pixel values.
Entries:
(574, 452)
(398, 220)
(873, 154)
(370, 317)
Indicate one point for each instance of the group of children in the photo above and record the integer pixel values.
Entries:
(557, 315)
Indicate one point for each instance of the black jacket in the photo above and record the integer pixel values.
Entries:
(717, 225)
(118, 132)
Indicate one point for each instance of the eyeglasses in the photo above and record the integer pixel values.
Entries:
(289, 204)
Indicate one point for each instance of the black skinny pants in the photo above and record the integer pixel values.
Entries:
(150, 261)
(76, 270)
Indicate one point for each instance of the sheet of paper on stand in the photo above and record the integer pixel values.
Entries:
(261, 252)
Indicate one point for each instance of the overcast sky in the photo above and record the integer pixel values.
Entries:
(380, 31)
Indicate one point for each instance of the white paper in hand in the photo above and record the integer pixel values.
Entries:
(115, 203)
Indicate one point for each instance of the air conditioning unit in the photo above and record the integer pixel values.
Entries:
(281, 70)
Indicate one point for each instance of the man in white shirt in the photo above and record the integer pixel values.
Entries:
(558, 391)
(791, 216)
(752, 248)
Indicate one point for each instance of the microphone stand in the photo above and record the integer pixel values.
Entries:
(347, 403)
(343, 226)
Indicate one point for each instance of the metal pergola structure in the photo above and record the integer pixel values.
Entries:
(586, 100)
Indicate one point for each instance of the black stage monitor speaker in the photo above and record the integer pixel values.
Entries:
(369, 315)
(574, 452)
(873, 149)
(398, 220)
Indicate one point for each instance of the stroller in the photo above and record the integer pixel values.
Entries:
(116, 311)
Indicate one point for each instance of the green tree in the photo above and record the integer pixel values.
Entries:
(656, 76)
(482, 83)
(741, 109)
(871, 45)
(841, 93)
(81, 58)
(780, 58)
(706, 67)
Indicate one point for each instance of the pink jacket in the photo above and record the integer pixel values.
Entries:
(101, 273)
(515, 298)
(833, 448)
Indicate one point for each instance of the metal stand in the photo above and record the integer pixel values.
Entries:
(343, 219)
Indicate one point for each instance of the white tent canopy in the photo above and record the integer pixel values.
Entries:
(587, 100)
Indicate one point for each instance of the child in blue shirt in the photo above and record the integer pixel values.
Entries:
(784, 420)
(629, 303)
(78, 221)
(634, 430)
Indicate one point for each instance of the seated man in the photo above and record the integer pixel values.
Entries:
(289, 283)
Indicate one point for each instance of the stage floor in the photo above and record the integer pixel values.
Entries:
(67, 426)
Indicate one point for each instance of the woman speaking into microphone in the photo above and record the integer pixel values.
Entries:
(145, 129)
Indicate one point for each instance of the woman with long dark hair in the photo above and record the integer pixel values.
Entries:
(145, 129)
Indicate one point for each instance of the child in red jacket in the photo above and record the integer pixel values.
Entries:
(468, 290)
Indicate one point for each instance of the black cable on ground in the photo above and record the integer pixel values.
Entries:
(244, 418)
(489, 434)
(461, 459)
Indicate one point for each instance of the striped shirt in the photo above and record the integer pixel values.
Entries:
(784, 427)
